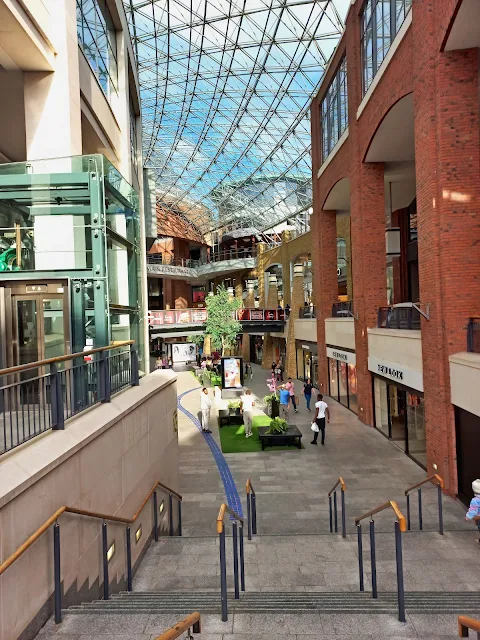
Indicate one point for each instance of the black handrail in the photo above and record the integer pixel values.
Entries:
(251, 510)
(342, 309)
(434, 479)
(473, 335)
(307, 312)
(398, 317)
(237, 546)
(333, 491)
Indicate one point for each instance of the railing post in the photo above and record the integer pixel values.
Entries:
(440, 510)
(408, 512)
(330, 512)
(134, 365)
(155, 517)
(360, 556)
(57, 573)
(170, 514)
(179, 517)
(344, 522)
(104, 377)
(335, 513)
(373, 559)
(399, 560)
(56, 398)
(235, 560)
(106, 590)
(249, 516)
(242, 560)
(254, 514)
(129, 559)
(420, 512)
(223, 574)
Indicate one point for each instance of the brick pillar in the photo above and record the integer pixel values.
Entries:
(325, 282)
(272, 298)
(267, 354)
(261, 274)
(447, 159)
(367, 200)
(297, 302)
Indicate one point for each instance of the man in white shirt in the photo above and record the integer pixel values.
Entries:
(321, 410)
(205, 406)
(246, 406)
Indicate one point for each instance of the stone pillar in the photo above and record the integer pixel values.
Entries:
(231, 293)
(250, 299)
(297, 302)
(239, 290)
(272, 298)
(447, 165)
(267, 355)
(207, 346)
(261, 274)
(246, 347)
(369, 269)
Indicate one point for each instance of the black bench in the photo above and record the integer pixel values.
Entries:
(291, 437)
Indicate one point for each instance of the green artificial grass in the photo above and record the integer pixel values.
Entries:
(233, 438)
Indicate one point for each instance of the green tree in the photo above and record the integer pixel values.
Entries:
(196, 340)
(222, 326)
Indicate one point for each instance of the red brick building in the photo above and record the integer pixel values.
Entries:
(395, 146)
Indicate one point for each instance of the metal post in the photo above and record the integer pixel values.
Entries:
(360, 556)
(57, 573)
(373, 559)
(420, 514)
(106, 591)
(408, 512)
(223, 575)
(155, 517)
(400, 585)
(134, 365)
(254, 514)
(179, 517)
(56, 399)
(242, 561)
(235, 560)
(170, 514)
(344, 521)
(249, 516)
(440, 511)
(129, 560)
(335, 513)
(104, 377)
(330, 512)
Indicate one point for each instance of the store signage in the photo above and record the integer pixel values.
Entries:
(37, 288)
(343, 356)
(305, 346)
(397, 373)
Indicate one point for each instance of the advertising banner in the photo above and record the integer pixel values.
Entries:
(256, 314)
(184, 352)
(184, 316)
(232, 373)
(199, 316)
(169, 317)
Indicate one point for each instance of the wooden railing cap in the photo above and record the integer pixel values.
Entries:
(435, 478)
(221, 515)
(182, 626)
(392, 505)
(341, 482)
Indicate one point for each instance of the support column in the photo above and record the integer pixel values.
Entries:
(207, 346)
(369, 269)
(297, 302)
(325, 281)
(249, 304)
(447, 158)
(272, 297)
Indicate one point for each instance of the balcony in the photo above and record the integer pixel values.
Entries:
(473, 335)
(399, 316)
(342, 309)
(215, 265)
(307, 313)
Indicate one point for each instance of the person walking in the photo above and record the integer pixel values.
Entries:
(307, 392)
(205, 406)
(474, 509)
(246, 406)
(321, 411)
(284, 401)
(291, 391)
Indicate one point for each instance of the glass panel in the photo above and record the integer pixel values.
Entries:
(120, 324)
(117, 259)
(27, 335)
(417, 447)
(342, 384)
(381, 406)
(333, 378)
(396, 403)
(334, 110)
(300, 367)
(53, 328)
(352, 388)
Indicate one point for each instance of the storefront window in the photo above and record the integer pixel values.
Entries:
(342, 384)
(417, 447)
(300, 365)
(381, 406)
(333, 379)
(352, 388)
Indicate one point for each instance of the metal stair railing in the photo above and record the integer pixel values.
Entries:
(400, 526)
(237, 545)
(465, 623)
(106, 551)
(434, 479)
(334, 516)
(192, 621)
(251, 510)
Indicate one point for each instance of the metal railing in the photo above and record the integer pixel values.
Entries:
(473, 335)
(192, 621)
(53, 521)
(237, 537)
(251, 510)
(434, 479)
(158, 258)
(40, 396)
(342, 309)
(307, 312)
(398, 317)
(199, 316)
(220, 256)
(465, 623)
(334, 514)
(400, 526)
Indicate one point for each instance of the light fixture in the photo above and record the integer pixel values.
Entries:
(298, 270)
(111, 552)
(138, 533)
(162, 506)
(392, 241)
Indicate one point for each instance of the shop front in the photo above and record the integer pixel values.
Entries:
(307, 361)
(342, 369)
(399, 407)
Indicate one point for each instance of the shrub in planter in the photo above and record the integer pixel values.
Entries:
(278, 425)
(272, 405)
(234, 405)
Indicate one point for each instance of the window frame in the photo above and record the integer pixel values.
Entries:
(332, 128)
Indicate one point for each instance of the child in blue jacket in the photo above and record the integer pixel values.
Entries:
(474, 510)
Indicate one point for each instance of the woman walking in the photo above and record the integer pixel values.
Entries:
(307, 392)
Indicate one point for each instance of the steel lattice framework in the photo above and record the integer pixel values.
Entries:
(225, 88)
